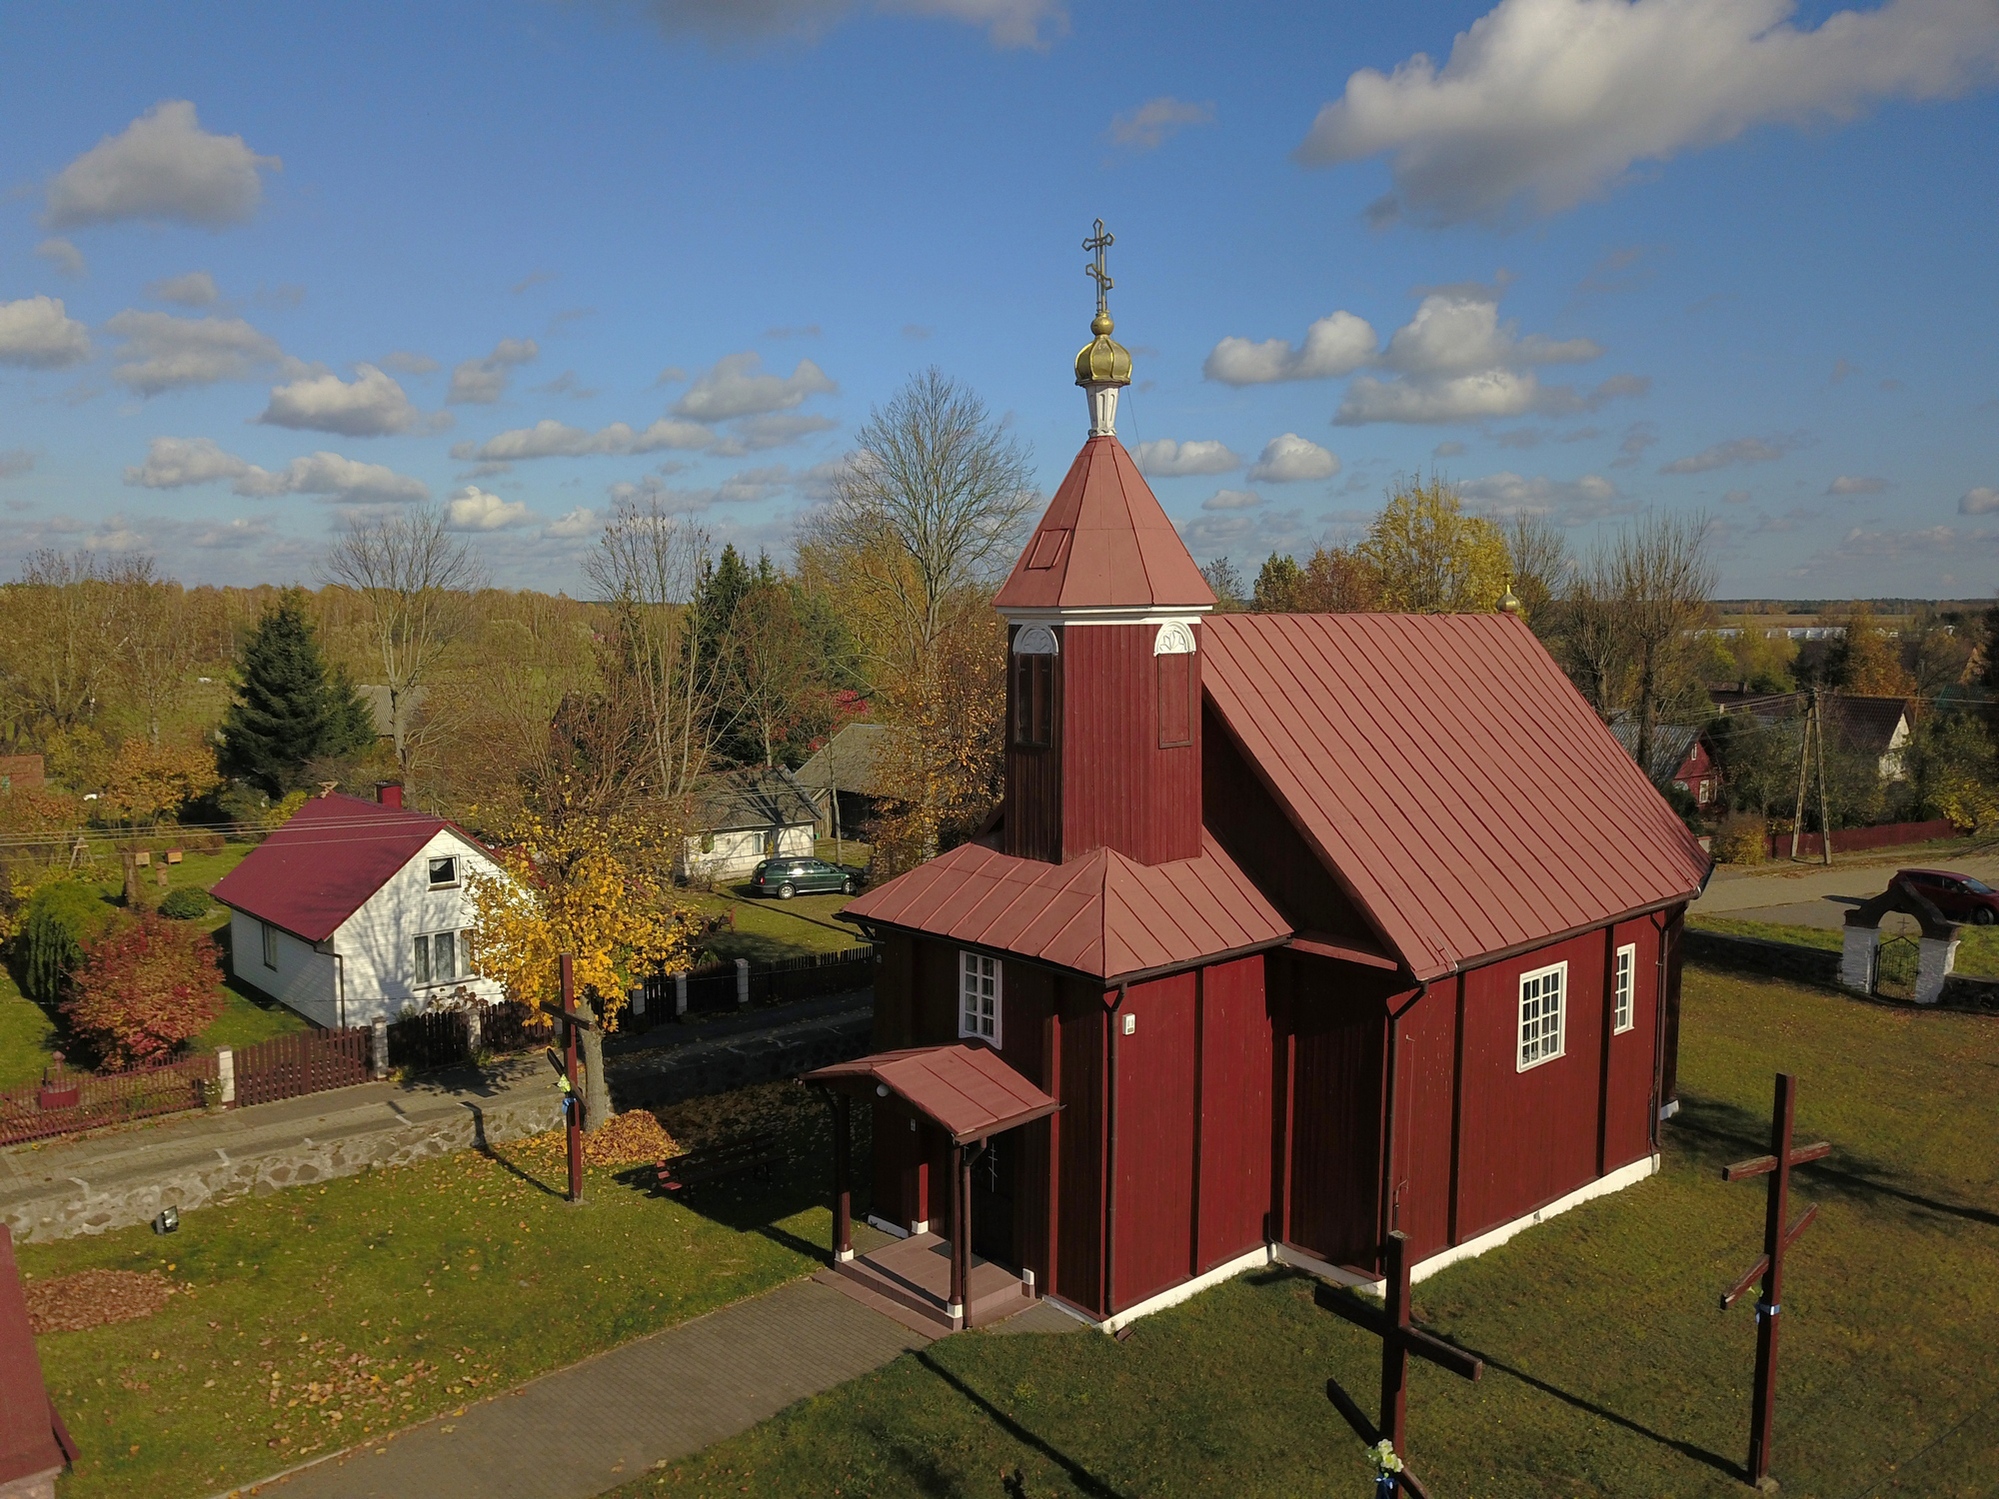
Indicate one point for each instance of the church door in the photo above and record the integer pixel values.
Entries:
(992, 1201)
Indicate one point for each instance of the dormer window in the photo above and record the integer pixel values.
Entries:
(444, 872)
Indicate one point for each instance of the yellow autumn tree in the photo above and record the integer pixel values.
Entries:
(594, 885)
(1428, 557)
(149, 782)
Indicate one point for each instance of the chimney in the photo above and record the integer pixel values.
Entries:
(389, 794)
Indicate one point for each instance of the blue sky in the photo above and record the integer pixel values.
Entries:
(1592, 258)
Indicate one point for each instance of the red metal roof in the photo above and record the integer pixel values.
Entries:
(1102, 914)
(27, 1420)
(323, 864)
(1450, 775)
(1104, 542)
(966, 1091)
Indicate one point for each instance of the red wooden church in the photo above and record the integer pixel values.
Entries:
(1293, 930)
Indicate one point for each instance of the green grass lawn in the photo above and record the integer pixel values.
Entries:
(27, 1036)
(317, 1315)
(765, 930)
(1609, 1369)
(1977, 950)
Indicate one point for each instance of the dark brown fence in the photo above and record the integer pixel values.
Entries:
(66, 1102)
(291, 1066)
(443, 1038)
(717, 988)
(1850, 840)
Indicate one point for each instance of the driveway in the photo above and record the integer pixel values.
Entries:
(1812, 895)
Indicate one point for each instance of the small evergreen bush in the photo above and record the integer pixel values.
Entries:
(184, 904)
(63, 917)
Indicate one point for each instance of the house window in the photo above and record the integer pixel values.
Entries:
(1541, 1014)
(443, 957)
(1034, 651)
(773, 841)
(1624, 984)
(270, 945)
(979, 997)
(443, 872)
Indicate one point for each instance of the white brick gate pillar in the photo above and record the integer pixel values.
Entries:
(1935, 957)
(1858, 954)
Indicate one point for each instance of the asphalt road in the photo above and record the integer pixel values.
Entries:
(1812, 895)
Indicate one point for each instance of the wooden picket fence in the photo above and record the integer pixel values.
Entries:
(67, 1102)
(309, 1062)
(717, 988)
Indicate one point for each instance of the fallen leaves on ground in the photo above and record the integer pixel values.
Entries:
(92, 1298)
(764, 1110)
(633, 1138)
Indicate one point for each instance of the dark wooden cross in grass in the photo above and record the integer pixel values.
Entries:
(572, 1101)
(1398, 1341)
(1769, 1265)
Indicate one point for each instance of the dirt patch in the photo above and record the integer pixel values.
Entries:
(93, 1298)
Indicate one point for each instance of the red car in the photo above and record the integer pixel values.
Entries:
(1958, 896)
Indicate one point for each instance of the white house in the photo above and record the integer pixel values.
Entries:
(736, 820)
(355, 910)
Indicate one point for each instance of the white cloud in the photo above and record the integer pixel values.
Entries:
(39, 333)
(778, 430)
(1333, 346)
(1007, 23)
(403, 362)
(1232, 499)
(1980, 501)
(63, 255)
(1568, 502)
(177, 462)
(164, 352)
(1452, 449)
(476, 509)
(372, 404)
(581, 521)
(481, 382)
(15, 462)
(1857, 484)
(1545, 103)
(1290, 458)
(195, 289)
(1458, 332)
(1488, 395)
(552, 439)
(1154, 122)
(1164, 458)
(1637, 438)
(1737, 450)
(737, 386)
(163, 166)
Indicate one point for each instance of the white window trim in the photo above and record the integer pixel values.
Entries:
(1561, 970)
(1036, 640)
(458, 948)
(1174, 639)
(270, 945)
(1624, 989)
(457, 877)
(973, 966)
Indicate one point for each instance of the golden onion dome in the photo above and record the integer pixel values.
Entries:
(1103, 361)
(1509, 602)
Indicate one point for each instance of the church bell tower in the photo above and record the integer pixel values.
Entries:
(1103, 614)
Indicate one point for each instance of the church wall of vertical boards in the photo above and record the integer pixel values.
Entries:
(1317, 927)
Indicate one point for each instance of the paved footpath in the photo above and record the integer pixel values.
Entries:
(116, 1178)
(606, 1421)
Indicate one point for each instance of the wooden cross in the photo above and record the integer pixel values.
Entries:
(1097, 243)
(572, 1103)
(1770, 1264)
(1398, 1341)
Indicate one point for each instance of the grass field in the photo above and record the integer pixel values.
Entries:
(317, 1315)
(765, 930)
(1977, 951)
(1609, 1369)
(29, 1037)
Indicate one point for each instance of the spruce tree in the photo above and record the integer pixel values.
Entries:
(291, 708)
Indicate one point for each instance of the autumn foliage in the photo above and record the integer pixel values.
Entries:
(142, 990)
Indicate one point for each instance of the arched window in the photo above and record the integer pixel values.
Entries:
(1034, 651)
(1174, 662)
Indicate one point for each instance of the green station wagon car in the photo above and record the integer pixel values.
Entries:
(785, 878)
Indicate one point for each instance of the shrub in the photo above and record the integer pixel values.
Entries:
(63, 917)
(142, 990)
(1742, 839)
(184, 903)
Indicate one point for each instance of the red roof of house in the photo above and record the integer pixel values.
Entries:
(325, 862)
(1450, 775)
(1102, 914)
(967, 1091)
(28, 1443)
(1104, 542)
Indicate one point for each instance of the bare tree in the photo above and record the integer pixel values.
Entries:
(931, 506)
(159, 643)
(1539, 559)
(59, 638)
(648, 566)
(415, 580)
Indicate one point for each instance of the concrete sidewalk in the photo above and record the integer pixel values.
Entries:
(116, 1178)
(606, 1421)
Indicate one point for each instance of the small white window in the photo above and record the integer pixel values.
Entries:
(270, 945)
(443, 872)
(1541, 1014)
(979, 997)
(1624, 987)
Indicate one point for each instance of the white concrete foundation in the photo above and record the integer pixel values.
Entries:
(1857, 955)
(1935, 958)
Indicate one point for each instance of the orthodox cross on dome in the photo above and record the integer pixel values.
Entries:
(1096, 244)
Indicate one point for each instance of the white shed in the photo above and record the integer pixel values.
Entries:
(739, 819)
(355, 910)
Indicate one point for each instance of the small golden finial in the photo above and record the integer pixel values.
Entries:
(1509, 602)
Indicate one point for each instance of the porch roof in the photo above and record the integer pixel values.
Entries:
(966, 1091)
